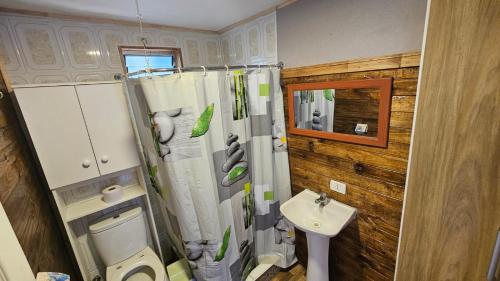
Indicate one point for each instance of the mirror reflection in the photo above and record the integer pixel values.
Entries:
(353, 111)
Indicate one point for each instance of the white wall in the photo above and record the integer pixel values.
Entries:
(320, 31)
(48, 50)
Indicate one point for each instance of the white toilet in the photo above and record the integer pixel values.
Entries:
(121, 241)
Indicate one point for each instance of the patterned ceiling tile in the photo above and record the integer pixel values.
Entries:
(110, 40)
(270, 38)
(136, 39)
(89, 77)
(212, 51)
(4, 56)
(168, 41)
(40, 45)
(193, 53)
(253, 41)
(239, 53)
(46, 79)
(226, 50)
(18, 80)
(53, 50)
(7, 51)
(81, 47)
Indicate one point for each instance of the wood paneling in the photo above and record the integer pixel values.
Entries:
(378, 63)
(24, 199)
(452, 209)
(375, 177)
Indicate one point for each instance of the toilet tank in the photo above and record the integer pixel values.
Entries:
(119, 235)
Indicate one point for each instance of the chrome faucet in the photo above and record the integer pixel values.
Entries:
(322, 200)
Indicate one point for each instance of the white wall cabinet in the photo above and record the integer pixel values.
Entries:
(79, 131)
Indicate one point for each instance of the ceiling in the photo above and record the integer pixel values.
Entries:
(199, 14)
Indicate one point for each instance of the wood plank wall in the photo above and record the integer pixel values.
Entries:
(375, 177)
(24, 199)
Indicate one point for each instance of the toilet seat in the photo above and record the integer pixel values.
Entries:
(144, 258)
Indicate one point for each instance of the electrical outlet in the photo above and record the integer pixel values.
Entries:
(337, 186)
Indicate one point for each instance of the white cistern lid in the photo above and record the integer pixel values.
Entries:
(115, 219)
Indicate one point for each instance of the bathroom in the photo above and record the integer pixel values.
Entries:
(255, 140)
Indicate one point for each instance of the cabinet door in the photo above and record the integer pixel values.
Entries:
(57, 129)
(108, 122)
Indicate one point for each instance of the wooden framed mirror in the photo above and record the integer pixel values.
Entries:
(349, 111)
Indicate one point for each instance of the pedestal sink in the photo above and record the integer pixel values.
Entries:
(320, 223)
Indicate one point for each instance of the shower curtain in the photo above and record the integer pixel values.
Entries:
(214, 147)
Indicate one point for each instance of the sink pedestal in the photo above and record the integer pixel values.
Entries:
(317, 250)
(320, 223)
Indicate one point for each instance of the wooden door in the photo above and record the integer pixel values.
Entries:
(57, 129)
(452, 209)
(106, 114)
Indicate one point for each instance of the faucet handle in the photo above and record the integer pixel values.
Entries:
(322, 197)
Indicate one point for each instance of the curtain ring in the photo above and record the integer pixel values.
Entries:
(149, 73)
(204, 70)
(259, 69)
(227, 70)
(179, 70)
(246, 68)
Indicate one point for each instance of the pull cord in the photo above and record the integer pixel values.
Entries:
(143, 40)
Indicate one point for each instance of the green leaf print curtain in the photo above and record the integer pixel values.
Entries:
(214, 147)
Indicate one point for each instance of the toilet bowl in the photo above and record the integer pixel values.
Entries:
(120, 239)
(143, 266)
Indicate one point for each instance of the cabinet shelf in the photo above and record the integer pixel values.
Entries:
(95, 203)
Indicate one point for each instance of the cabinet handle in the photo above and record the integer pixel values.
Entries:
(86, 164)
(494, 259)
(104, 159)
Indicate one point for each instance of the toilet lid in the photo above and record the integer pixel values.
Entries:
(143, 266)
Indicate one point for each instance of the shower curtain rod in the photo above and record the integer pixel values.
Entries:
(205, 68)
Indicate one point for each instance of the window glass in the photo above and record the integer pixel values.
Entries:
(138, 62)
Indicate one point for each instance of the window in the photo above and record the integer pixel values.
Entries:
(133, 59)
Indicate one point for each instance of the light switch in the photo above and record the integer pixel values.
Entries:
(338, 186)
(361, 129)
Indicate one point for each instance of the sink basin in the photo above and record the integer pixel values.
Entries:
(306, 215)
(319, 224)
